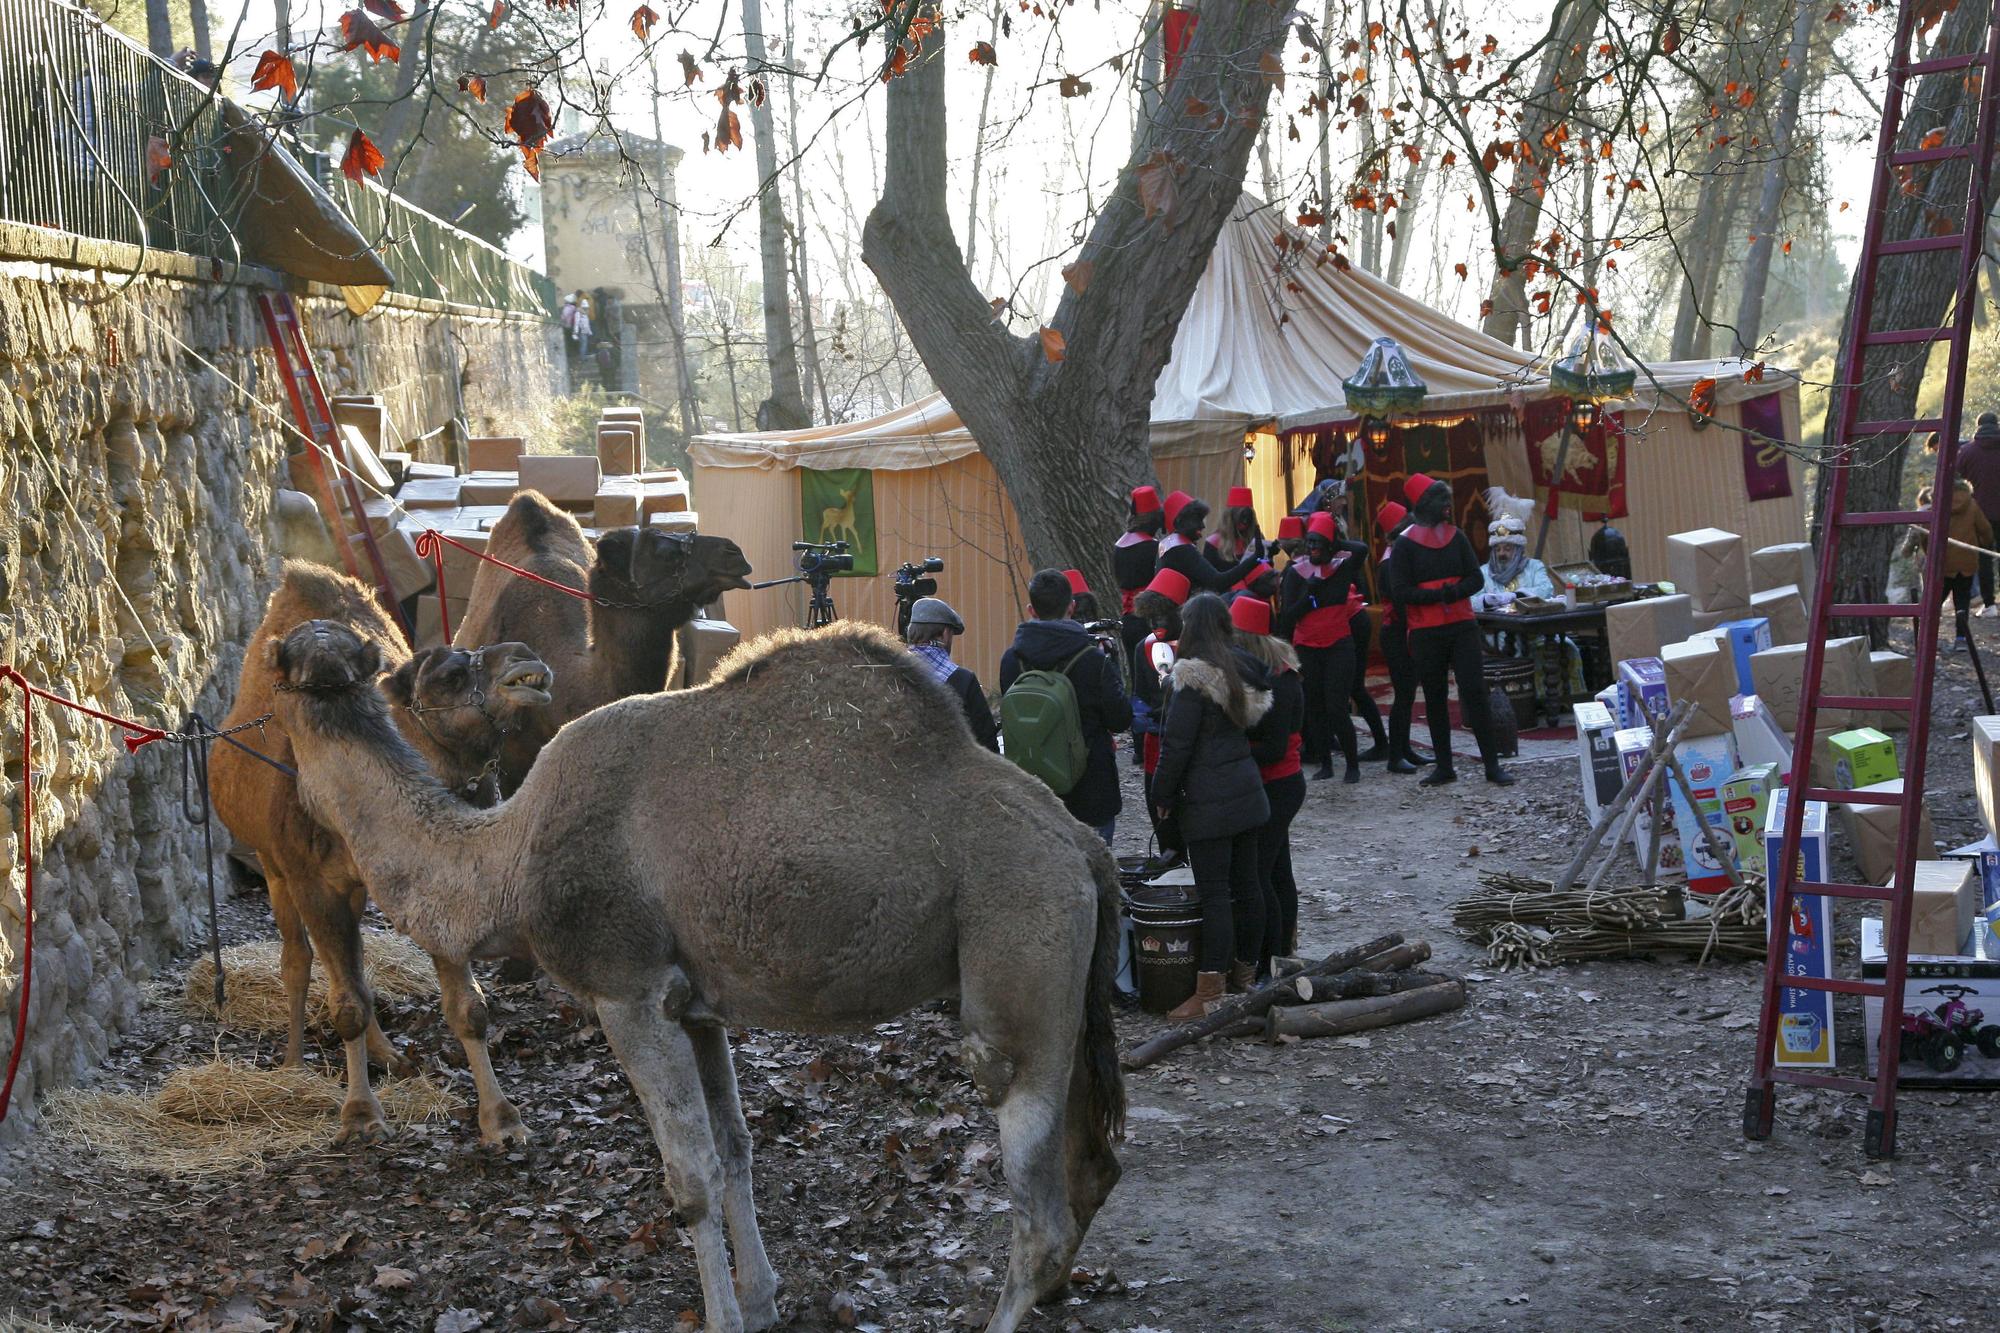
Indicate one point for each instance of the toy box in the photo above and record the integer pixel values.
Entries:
(1986, 855)
(1760, 739)
(1642, 691)
(1805, 1017)
(1985, 768)
(1632, 743)
(1746, 801)
(1861, 758)
(1957, 984)
(1597, 755)
(1708, 761)
(1744, 637)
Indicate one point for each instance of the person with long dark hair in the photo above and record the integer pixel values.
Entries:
(1134, 559)
(1433, 572)
(1208, 781)
(1390, 520)
(1159, 605)
(1237, 534)
(1317, 598)
(1181, 549)
(1274, 744)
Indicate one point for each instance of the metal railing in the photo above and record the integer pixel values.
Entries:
(99, 139)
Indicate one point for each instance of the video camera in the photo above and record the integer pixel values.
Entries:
(911, 584)
(829, 558)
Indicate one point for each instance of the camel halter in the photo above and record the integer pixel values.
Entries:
(477, 699)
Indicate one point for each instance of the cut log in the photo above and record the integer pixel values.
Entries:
(1358, 981)
(1340, 1017)
(1238, 1007)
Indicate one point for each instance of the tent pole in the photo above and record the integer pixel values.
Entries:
(1555, 477)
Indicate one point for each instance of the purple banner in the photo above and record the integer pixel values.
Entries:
(1765, 475)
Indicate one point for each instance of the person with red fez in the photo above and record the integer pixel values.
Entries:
(1433, 573)
(1134, 558)
(1082, 601)
(1317, 598)
(1274, 744)
(1363, 630)
(1159, 604)
(1291, 542)
(1181, 549)
(1390, 520)
(1237, 535)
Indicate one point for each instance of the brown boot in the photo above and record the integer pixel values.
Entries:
(1242, 976)
(1207, 991)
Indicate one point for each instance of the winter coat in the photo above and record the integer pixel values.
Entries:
(1207, 775)
(1979, 463)
(1968, 524)
(1101, 705)
(1274, 740)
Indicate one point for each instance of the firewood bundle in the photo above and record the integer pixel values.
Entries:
(1526, 923)
(1350, 990)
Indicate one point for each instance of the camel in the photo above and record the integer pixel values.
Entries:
(835, 520)
(455, 707)
(859, 854)
(649, 583)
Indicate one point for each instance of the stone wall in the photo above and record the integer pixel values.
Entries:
(140, 449)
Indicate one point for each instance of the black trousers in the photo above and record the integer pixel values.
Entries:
(1232, 904)
(1274, 866)
(1403, 678)
(1986, 569)
(1362, 632)
(1958, 587)
(1453, 652)
(1328, 677)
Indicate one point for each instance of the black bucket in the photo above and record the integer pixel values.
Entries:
(1515, 678)
(1165, 954)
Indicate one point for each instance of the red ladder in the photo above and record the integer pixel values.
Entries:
(314, 419)
(1893, 173)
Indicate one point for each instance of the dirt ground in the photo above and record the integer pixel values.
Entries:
(1563, 1153)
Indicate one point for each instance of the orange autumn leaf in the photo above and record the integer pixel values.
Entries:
(357, 29)
(158, 159)
(1273, 68)
(1460, 270)
(1754, 375)
(899, 60)
(1159, 188)
(643, 19)
(386, 9)
(274, 70)
(472, 83)
(1072, 86)
(1079, 274)
(498, 12)
(362, 157)
(982, 53)
(1054, 348)
(1701, 398)
(690, 72)
(531, 122)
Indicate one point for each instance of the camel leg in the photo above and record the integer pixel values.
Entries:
(336, 933)
(756, 1284)
(659, 1059)
(465, 1011)
(295, 957)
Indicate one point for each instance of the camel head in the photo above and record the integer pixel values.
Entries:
(464, 702)
(651, 567)
(326, 678)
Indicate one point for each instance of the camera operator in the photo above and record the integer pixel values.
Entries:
(1053, 642)
(933, 625)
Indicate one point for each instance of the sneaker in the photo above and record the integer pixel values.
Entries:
(1989, 610)
(1958, 644)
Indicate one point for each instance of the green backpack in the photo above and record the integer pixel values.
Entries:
(1042, 729)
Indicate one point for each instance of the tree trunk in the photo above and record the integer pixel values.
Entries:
(1069, 438)
(159, 29)
(1406, 210)
(810, 371)
(405, 107)
(979, 147)
(1696, 259)
(1557, 86)
(1324, 115)
(1911, 291)
(785, 409)
(1771, 195)
(1719, 238)
(281, 16)
(198, 21)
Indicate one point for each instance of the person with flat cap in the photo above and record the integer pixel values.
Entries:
(933, 625)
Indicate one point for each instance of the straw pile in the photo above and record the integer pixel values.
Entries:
(1525, 923)
(221, 1117)
(254, 999)
(21, 1323)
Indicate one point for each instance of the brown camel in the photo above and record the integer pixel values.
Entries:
(648, 584)
(814, 901)
(455, 707)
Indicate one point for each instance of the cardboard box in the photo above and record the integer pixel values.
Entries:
(488, 488)
(684, 521)
(1642, 628)
(417, 469)
(1894, 677)
(398, 465)
(566, 479)
(1712, 567)
(1746, 802)
(430, 632)
(1759, 738)
(494, 453)
(617, 450)
(430, 493)
(1786, 611)
(407, 574)
(1793, 563)
(1945, 897)
(1986, 769)
(1706, 621)
(1708, 761)
(1973, 979)
(1632, 743)
(1608, 696)
(1861, 758)
(1742, 639)
(664, 497)
(1777, 674)
(1697, 672)
(1872, 830)
(617, 504)
(703, 644)
(1805, 1017)
(1985, 854)
(1597, 755)
(1642, 691)
(1844, 670)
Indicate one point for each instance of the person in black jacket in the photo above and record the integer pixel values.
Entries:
(1209, 781)
(1053, 642)
(933, 625)
(1274, 744)
(1433, 572)
(1181, 548)
(1390, 520)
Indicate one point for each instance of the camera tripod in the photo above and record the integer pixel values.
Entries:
(820, 610)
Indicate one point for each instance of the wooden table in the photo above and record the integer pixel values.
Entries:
(1584, 625)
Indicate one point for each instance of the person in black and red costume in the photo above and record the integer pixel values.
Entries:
(1318, 595)
(1134, 559)
(1236, 533)
(1390, 520)
(1181, 549)
(1433, 572)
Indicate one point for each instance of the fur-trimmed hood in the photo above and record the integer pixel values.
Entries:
(1191, 673)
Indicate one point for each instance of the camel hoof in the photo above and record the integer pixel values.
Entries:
(503, 1129)
(361, 1124)
(758, 1315)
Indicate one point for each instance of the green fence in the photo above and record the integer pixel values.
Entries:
(99, 139)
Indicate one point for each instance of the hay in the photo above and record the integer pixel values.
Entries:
(22, 1323)
(222, 1117)
(255, 987)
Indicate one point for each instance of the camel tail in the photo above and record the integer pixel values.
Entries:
(1105, 1084)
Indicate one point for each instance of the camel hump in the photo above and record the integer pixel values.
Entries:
(848, 660)
(533, 524)
(307, 591)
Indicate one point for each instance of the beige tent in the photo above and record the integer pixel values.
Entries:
(1266, 341)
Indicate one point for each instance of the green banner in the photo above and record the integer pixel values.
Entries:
(840, 506)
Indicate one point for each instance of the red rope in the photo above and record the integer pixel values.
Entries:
(140, 735)
(430, 546)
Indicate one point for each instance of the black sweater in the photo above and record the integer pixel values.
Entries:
(1188, 561)
(1412, 564)
(1298, 595)
(1134, 566)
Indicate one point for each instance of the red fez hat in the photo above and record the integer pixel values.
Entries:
(1321, 525)
(1176, 502)
(1252, 615)
(1257, 571)
(1239, 498)
(1078, 586)
(1145, 500)
(1414, 488)
(1171, 584)
(1291, 528)
(1389, 515)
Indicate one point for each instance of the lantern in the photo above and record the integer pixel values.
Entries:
(1376, 431)
(1383, 386)
(1593, 373)
(1583, 414)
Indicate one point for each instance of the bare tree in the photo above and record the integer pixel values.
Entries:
(1771, 196)
(785, 409)
(160, 29)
